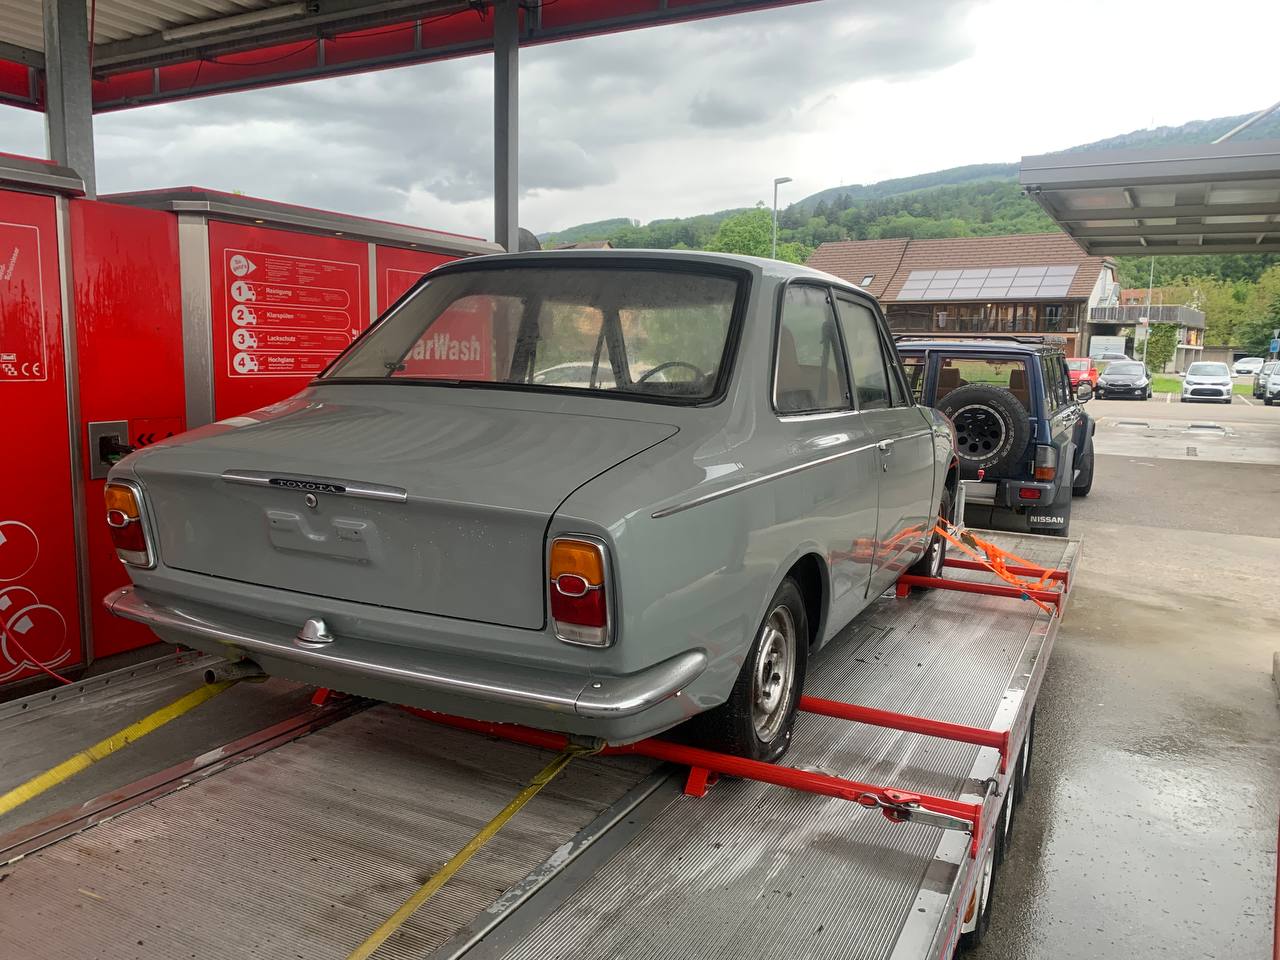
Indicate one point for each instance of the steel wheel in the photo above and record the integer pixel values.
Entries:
(979, 431)
(773, 673)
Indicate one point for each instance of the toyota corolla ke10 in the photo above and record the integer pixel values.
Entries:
(598, 493)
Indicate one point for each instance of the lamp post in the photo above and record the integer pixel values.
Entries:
(774, 248)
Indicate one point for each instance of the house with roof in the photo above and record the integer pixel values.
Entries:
(978, 286)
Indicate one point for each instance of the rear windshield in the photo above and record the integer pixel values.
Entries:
(660, 334)
(1125, 370)
(1079, 364)
(1004, 372)
(1208, 370)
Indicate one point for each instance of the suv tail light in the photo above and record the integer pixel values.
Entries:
(1045, 466)
(580, 591)
(124, 519)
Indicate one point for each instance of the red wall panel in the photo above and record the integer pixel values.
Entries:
(39, 607)
(284, 305)
(129, 342)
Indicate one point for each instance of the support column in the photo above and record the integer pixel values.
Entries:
(69, 94)
(506, 139)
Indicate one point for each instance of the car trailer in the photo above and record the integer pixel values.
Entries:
(219, 835)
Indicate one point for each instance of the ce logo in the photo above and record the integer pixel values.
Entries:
(31, 369)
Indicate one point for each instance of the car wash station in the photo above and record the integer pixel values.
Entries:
(158, 801)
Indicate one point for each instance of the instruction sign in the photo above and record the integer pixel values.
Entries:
(24, 351)
(284, 305)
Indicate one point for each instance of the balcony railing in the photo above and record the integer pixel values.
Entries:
(1131, 315)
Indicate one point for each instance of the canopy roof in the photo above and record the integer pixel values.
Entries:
(1222, 198)
(148, 51)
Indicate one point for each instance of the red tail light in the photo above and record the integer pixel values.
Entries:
(1029, 493)
(580, 591)
(1046, 463)
(124, 519)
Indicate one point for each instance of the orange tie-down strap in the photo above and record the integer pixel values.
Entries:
(998, 562)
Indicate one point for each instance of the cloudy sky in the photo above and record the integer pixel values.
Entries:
(702, 116)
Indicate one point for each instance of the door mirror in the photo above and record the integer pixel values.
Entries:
(1084, 392)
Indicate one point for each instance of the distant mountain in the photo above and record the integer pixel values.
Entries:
(955, 176)
(599, 230)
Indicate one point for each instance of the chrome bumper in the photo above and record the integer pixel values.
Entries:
(600, 697)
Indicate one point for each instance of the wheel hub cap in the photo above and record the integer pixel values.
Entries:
(773, 676)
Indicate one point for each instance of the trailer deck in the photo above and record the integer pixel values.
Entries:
(302, 840)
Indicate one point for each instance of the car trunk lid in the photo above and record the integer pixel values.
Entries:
(439, 507)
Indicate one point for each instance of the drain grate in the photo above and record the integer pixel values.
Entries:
(1192, 452)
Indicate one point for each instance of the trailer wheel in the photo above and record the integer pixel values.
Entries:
(977, 919)
(1023, 771)
(756, 721)
(1004, 826)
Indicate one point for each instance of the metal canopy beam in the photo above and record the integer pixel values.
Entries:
(69, 117)
(332, 17)
(1107, 200)
(506, 126)
(22, 55)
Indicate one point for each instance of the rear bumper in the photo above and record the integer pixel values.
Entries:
(1010, 493)
(616, 708)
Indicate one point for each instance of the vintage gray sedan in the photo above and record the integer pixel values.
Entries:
(733, 471)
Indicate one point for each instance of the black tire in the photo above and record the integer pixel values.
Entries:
(986, 891)
(1004, 825)
(1084, 482)
(735, 725)
(992, 427)
(1268, 401)
(935, 555)
(1022, 773)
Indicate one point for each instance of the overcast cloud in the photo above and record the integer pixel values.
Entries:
(702, 116)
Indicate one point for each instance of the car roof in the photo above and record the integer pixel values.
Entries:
(759, 265)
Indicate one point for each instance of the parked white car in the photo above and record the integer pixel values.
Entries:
(1247, 366)
(1206, 380)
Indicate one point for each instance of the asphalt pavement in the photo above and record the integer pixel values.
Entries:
(1151, 828)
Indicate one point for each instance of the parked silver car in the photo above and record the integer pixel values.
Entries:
(606, 560)
(1271, 389)
(1260, 378)
(1206, 380)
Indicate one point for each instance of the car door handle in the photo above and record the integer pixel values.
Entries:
(884, 445)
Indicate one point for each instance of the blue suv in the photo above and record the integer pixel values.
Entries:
(1021, 433)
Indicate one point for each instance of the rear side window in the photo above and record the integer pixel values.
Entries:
(1007, 372)
(809, 376)
(868, 364)
(914, 367)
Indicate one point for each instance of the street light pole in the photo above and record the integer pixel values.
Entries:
(1151, 282)
(774, 249)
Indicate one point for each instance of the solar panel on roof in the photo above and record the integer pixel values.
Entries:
(1035, 282)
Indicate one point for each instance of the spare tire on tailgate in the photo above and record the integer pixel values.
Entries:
(992, 427)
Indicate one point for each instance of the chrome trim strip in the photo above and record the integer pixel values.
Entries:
(599, 698)
(350, 488)
(756, 481)
(825, 415)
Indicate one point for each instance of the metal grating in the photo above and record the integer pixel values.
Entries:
(303, 851)
(989, 283)
(758, 871)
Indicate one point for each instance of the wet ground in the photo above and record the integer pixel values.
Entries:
(1151, 828)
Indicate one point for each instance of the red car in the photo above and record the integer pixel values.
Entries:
(1080, 369)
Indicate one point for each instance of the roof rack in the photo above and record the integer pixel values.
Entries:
(1051, 338)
